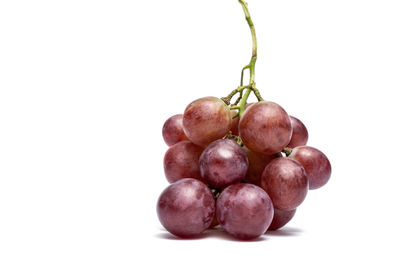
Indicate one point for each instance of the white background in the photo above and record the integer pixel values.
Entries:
(85, 87)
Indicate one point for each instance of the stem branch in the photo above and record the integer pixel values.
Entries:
(241, 101)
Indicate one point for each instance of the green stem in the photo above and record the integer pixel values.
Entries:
(253, 60)
(228, 98)
(287, 151)
(240, 103)
(241, 76)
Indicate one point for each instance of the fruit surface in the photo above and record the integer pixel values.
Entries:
(172, 130)
(182, 161)
(223, 163)
(206, 119)
(235, 123)
(286, 182)
(265, 128)
(244, 210)
(316, 164)
(257, 164)
(281, 218)
(300, 133)
(186, 208)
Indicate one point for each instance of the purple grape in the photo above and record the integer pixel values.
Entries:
(257, 164)
(223, 163)
(244, 210)
(316, 164)
(235, 123)
(186, 208)
(300, 133)
(206, 119)
(281, 218)
(172, 130)
(286, 182)
(265, 128)
(182, 161)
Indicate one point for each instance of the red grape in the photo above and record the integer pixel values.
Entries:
(186, 208)
(316, 164)
(222, 163)
(206, 119)
(235, 123)
(300, 133)
(286, 182)
(257, 164)
(172, 130)
(244, 210)
(281, 218)
(182, 161)
(265, 128)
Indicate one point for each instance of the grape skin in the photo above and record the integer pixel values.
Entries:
(316, 164)
(186, 208)
(300, 133)
(265, 128)
(235, 123)
(172, 130)
(223, 163)
(206, 119)
(257, 164)
(281, 218)
(182, 161)
(244, 210)
(286, 182)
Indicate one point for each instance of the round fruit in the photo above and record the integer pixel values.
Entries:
(223, 163)
(286, 182)
(257, 164)
(300, 133)
(186, 208)
(244, 210)
(206, 119)
(172, 130)
(316, 164)
(265, 128)
(182, 161)
(281, 218)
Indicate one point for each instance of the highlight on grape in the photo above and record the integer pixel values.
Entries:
(243, 166)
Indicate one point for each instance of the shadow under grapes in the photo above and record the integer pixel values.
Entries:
(286, 231)
(218, 233)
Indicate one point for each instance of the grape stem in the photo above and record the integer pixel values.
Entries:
(240, 103)
(287, 151)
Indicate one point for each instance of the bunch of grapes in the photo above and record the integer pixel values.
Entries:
(243, 166)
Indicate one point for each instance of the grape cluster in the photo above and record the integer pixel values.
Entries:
(243, 166)
(248, 174)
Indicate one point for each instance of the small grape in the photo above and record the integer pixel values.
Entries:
(316, 164)
(265, 128)
(286, 182)
(244, 210)
(186, 208)
(257, 164)
(172, 130)
(182, 161)
(206, 119)
(281, 218)
(300, 133)
(222, 163)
